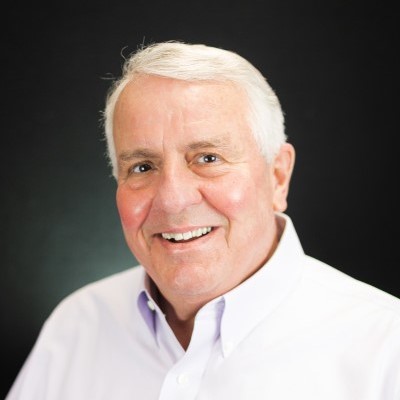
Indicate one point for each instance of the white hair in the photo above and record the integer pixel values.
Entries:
(198, 62)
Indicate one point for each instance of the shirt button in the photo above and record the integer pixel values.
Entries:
(151, 305)
(227, 347)
(182, 379)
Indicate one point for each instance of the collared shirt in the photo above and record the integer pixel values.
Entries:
(296, 329)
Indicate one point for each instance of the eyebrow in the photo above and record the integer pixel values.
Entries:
(135, 154)
(204, 144)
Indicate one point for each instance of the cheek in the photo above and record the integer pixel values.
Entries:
(239, 198)
(132, 207)
(232, 197)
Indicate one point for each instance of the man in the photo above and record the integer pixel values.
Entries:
(225, 304)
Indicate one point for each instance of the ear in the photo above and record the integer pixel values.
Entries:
(282, 169)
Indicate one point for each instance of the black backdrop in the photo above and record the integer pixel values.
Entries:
(335, 68)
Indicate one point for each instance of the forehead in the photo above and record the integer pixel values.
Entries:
(155, 108)
(157, 94)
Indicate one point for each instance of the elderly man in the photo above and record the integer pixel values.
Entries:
(225, 304)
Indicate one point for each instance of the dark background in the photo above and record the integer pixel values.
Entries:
(334, 67)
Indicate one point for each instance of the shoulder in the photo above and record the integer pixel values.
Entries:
(112, 297)
(349, 291)
(111, 287)
(88, 327)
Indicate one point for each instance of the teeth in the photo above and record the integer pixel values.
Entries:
(187, 235)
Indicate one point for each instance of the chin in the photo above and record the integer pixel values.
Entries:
(192, 281)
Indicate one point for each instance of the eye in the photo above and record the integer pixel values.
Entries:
(140, 168)
(208, 159)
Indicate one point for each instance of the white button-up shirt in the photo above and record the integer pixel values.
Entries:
(297, 329)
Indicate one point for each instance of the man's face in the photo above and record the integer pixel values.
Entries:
(195, 196)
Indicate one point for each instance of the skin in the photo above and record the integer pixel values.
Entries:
(186, 160)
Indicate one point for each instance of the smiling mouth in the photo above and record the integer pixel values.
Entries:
(186, 236)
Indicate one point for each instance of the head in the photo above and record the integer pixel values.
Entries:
(197, 62)
(202, 166)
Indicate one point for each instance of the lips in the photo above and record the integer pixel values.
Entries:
(185, 236)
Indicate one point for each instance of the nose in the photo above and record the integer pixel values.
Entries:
(178, 188)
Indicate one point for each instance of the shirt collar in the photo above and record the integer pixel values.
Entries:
(146, 303)
(250, 302)
(247, 304)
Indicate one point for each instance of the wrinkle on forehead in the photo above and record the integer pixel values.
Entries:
(160, 112)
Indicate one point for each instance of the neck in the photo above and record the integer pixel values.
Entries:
(180, 318)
